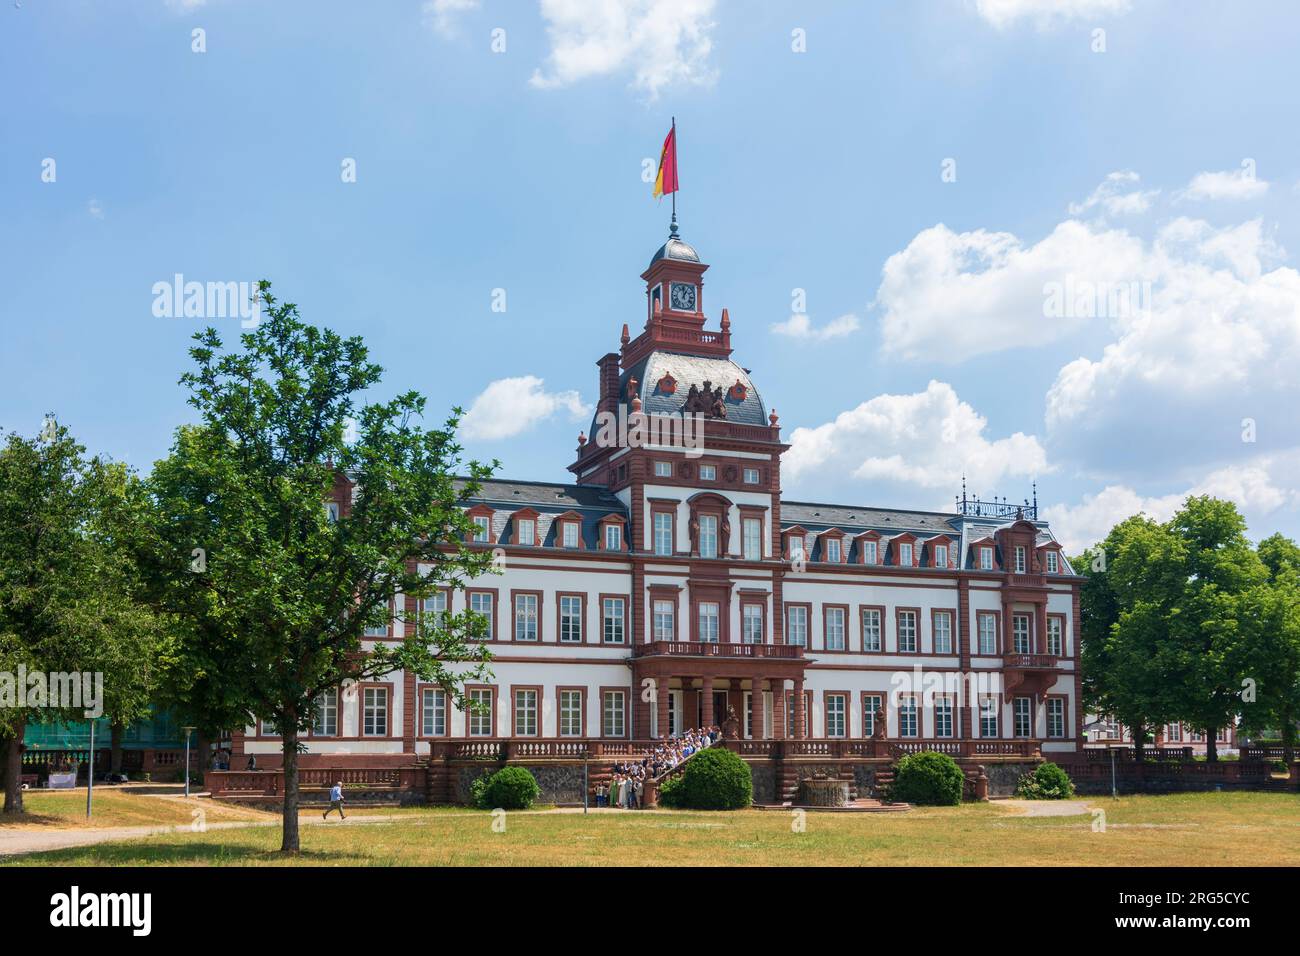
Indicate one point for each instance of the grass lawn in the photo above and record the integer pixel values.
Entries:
(1226, 829)
(61, 809)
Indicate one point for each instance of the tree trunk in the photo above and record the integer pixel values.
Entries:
(13, 774)
(289, 840)
(205, 758)
(115, 734)
(1139, 733)
(1288, 736)
(1211, 745)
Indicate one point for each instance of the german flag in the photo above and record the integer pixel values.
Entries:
(666, 181)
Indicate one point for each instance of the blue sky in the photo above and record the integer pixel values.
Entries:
(1158, 156)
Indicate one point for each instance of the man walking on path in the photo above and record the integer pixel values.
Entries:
(336, 802)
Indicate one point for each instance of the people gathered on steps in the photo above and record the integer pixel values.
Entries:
(627, 784)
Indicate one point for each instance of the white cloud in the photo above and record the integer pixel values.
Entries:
(799, 326)
(1111, 199)
(511, 406)
(444, 15)
(926, 439)
(95, 208)
(660, 42)
(1047, 13)
(1228, 184)
(1251, 486)
(949, 296)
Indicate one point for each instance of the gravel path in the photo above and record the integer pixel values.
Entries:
(1046, 808)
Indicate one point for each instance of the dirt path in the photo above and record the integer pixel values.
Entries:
(1046, 808)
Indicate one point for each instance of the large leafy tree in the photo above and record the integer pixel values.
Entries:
(273, 596)
(1272, 612)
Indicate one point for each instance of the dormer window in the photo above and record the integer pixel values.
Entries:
(905, 555)
(870, 552)
(1020, 559)
(526, 531)
(613, 537)
(832, 550)
(986, 558)
(708, 473)
(940, 556)
(569, 534)
(482, 528)
(1052, 563)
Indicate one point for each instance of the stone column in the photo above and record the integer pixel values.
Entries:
(756, 696)
(661, 699)
(778, 709)
(690, 702)
(799, 718)
(1040, 629)
(706, 688)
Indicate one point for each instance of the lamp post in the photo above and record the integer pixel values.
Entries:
(188, 731)
(90, 770)
(586, 786)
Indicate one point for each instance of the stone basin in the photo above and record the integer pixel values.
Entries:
(824, 793)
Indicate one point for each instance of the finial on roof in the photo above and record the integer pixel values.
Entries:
(625, 337)
(582, 439)
(672, 229)
(772, 419)
(726, 320)
(636, 404)
(631, 385)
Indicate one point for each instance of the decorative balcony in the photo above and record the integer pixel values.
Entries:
(782, 652)
(1030, 662)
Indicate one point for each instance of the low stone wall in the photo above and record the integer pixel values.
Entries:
(1094, 777)
(1003, 777)
(766, 785)
(559, 782)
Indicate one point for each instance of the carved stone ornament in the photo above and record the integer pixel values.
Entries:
(707, 401)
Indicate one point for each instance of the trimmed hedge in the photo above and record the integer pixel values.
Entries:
(511, 788)
(927, 779)
(1047, 781)
(713, 779)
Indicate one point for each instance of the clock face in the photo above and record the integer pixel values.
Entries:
(682, 297)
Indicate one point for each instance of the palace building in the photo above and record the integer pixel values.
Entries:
(669, 585)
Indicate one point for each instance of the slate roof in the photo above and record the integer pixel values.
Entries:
(675, 248)
(690, 370)
(550, 500)
(855, 520)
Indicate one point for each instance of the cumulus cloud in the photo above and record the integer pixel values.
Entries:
(659, 42)
(1228, 184)
(949, 296)
(927, 439)
(1045, 14)
(511, 406)
(1252, 486)
(1117, 196)
(445, 15)
(799, 326)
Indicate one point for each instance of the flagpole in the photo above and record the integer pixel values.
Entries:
(673, 230)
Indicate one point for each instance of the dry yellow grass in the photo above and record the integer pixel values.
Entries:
(63, 809)
(1223, 829)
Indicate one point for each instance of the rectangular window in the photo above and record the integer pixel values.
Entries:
(482, 527)
(836, 712)
(709, 622)
(708, 473)
(831, 552)
(905, 555)
(943, 632)
(327, 715)
(1021, 723)
(1055, 717)
(378, 623)
(481, 602)
(527, 532)
(943, 716)
(1173, 732)
(525, 617)
(614, 714)
(940, 556)
(986, 559)
(1055, 639)
(570, 533)
(708, 536)
(753, 539)
(751, 476)
(663, 469)
(482, 721)
(988, 717)
(834, 621)
(663, 532)
(435, 608)
(570, 713)
(870, 552)
(613, 537)
(612, 614)
(871, 629)
(332, 511)
(1020, 559)
(797, 550)
(751, 623)
(908, 725)
(525, 713)
(907, 632)
(570, 619)
(872, 705)
(988, 637)
(433, 712)
(665, 623)
(796, 626)
(1052, 563)
(374, 712)
(1020, 633)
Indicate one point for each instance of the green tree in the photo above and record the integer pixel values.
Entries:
(1272, 612)
(273, 612)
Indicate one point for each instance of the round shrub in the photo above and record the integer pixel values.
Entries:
(714, 779)
(927, 779)
(511, 788)
(1047, 781)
